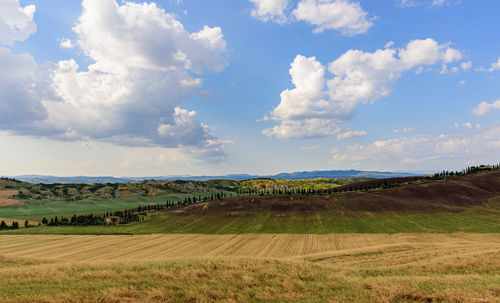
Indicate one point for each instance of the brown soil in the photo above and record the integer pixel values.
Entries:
(455, 194)
(5, 195)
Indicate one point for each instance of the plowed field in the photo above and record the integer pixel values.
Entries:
(324, 248)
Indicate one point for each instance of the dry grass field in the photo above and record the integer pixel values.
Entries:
(5, 199)
(9, 222)
(251, 268)
(160, 247)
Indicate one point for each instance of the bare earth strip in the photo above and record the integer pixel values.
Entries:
(343, 248)
(5, 200)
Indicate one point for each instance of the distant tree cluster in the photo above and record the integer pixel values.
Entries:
(75, 220)
(4, 225)
(126, 216)
(466, 171)
(367, 185)
(358, 186)
(11, 179)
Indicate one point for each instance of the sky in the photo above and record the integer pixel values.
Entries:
(185, 87)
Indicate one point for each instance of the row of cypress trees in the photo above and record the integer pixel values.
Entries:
(129, 215)
(466, 171)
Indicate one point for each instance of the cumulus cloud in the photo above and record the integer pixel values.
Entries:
(144, 66)
(484, 107)
(412, 151)
(16, 22)
(344, 15)
(318, 106)
(466, 65)
(66, 43)
(270, 10)
(22, 86)
(493, 67)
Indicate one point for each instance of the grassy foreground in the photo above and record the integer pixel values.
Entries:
(448, 271)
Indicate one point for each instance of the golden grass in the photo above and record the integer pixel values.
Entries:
(5, 199)
(161, 247)
(9, 222)
(251, 268)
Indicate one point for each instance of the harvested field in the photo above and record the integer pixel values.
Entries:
(251, 268)
(324, 248)
(20, 222)
(5, 200)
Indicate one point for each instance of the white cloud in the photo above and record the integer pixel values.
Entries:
(484, 107)
(467, 125)
(22, 86)
(270, 10)
(16, 22)
(389, 44)
(413, 151)
(403, 130)
(493, 67)
(429, 3)
(311, 110)
(350, 134)
(466, 65)
(66, 43)
(145, 66)
(346, 16)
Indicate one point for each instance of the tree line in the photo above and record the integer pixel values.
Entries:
(367, 185)
(466, 171)
(14, 225)
(130, 215)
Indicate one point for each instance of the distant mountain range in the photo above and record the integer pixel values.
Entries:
(284, 176)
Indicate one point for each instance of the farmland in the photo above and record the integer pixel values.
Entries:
(34, 201)
(457, 204)
(249, 268)
(425, 241)
(37, 209)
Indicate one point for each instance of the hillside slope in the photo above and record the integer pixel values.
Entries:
(469, 203)
(455, 194)
(12, 191)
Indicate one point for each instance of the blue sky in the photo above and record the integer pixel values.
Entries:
(105, 87)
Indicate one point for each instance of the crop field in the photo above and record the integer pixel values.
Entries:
(5, 199)
(161, 247)
(251, 268)
(20, 222)
(37, 209)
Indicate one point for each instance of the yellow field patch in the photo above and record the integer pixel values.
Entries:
(5, 195)
(252, 267)
(330, 248)
(19, 221)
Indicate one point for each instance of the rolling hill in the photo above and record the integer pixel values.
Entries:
(332, 174)
(466, 203)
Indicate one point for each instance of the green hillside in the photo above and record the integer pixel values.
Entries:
(468, 203)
